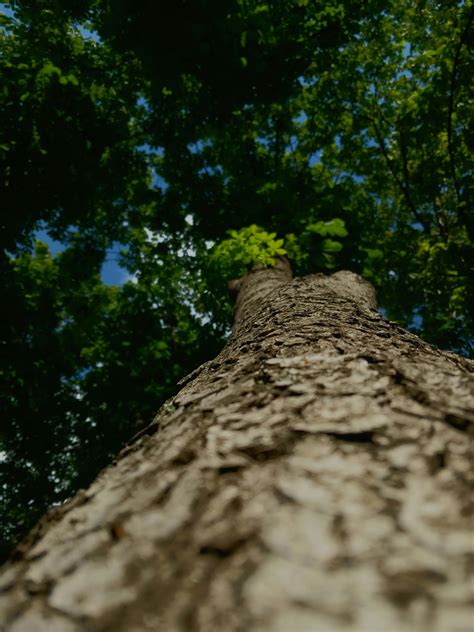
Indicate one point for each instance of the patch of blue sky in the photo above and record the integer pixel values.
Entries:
(261, 140)
(416, 322)
(211, 170)
(293, 145)
(87, 34)
(352, 176)
(55, 246)
(158, 182)
(301, 118)
(404, 72)
(6, 9)
(9, 13)
(199, 145)
(143, 102)
(315, 157)
(306, 82)
(370, 142)
(111, 271)
(149, 150)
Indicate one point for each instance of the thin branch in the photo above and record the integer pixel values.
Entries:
(406, 176)
(454, 73)
(441, 220)
(403, 186)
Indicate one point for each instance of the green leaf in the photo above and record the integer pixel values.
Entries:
(331, 246)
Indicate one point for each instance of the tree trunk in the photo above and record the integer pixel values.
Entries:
(314, 477)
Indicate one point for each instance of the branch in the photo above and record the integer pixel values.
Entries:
(456, 60)
(441, 220)
(406, 181)
(403, 186)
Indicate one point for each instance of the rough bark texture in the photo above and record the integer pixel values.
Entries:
(314, 477)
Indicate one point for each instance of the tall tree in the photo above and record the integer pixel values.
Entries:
(76, 154)
(315, 475)
(334, 132)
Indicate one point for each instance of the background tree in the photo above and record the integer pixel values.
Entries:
(144, 131)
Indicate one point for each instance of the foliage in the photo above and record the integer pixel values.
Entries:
(310, 252)
(252, 246)
(339, 127)
(216, 54)
(245, 249)
(67, 105)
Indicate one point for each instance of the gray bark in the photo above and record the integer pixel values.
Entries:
(315, 476)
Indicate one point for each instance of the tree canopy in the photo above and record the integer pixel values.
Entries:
(189, 140)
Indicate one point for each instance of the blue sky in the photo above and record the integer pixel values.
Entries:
(4, 8)
(111, 273)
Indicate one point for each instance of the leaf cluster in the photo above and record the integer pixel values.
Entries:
(246, 248)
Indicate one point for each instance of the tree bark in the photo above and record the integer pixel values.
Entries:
(315, 476)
